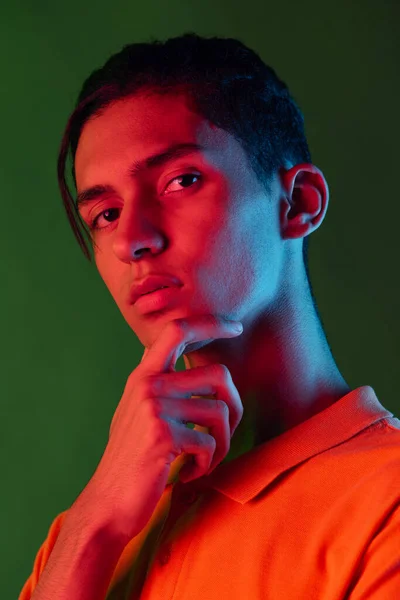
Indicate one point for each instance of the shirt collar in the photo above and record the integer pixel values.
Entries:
(247, 475)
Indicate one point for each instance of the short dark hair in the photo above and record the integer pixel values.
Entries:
(225, 82)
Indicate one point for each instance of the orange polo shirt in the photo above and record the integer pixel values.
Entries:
(313, 513)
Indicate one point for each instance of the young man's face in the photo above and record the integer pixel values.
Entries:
(216, 229)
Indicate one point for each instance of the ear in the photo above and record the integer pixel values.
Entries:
(304, 200)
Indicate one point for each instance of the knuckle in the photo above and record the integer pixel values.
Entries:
(164, 430)
(158, 426)
(148, 386)
(162, 435)
(154, 408)
(222, 406)
(154, 385)
(213, 443)
(223, 371)
(240, 406)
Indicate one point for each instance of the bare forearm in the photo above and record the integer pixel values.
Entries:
(81, 563)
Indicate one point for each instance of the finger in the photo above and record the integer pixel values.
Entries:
(204, 381)
(177, 334)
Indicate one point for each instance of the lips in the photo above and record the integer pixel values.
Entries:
(150, 284)
(161, 288)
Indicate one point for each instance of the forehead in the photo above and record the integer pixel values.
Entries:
(132, 128)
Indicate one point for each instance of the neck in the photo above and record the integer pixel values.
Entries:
(283, 369)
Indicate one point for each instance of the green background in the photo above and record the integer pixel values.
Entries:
(66, 351)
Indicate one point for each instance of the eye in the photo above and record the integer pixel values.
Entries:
(184, 176)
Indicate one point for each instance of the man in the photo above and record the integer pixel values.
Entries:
(237, 253)
(304, 505)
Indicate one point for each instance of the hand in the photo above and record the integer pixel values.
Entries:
(148, 430)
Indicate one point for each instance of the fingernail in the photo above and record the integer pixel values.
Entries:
(237, 327)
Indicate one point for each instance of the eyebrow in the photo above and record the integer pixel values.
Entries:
(155, 160)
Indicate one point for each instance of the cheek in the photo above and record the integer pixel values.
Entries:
(243, 265)
(226, 269)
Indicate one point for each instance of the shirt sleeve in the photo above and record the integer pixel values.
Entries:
(379, 577)
(42, 557)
